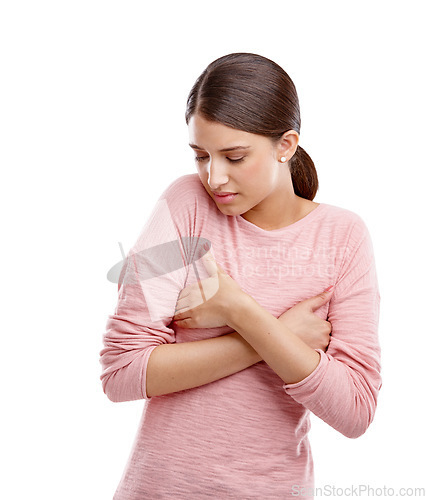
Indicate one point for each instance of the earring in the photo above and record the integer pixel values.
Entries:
(283, 159)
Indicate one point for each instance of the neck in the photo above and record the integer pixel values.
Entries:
(280, 209)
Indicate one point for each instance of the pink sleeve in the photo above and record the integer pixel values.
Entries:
(151, 279)
(344, 387)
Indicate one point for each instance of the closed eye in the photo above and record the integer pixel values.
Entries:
(203, 158)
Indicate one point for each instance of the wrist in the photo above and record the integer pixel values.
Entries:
(237, 308)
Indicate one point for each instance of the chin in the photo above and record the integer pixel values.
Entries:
(227, 210)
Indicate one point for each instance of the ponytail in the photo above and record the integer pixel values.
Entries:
(303, 174)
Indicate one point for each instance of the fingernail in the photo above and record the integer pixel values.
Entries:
(206, 246)
(329, 289)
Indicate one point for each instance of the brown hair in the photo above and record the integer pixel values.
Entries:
(252, 93)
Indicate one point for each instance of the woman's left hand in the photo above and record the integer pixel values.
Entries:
(206, 303)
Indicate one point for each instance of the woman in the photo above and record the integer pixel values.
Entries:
(243, 306)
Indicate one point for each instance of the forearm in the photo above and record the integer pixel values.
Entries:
(290, 358)
(179, 366)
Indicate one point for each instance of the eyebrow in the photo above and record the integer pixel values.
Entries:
(194, 146)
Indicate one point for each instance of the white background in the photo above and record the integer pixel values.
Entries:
(92, 104)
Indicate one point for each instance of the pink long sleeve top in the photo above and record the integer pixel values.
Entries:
(244, 436)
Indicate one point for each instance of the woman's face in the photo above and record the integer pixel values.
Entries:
(244, 164)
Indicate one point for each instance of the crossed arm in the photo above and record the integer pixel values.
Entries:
(340, 386)
(287, 344)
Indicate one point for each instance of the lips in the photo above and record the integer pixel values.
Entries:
(224, 197)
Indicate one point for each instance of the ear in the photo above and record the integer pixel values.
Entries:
(287, 144)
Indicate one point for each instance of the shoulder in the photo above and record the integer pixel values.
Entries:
(175, 213)
(350, 235)
(186, 199)
(184, 187)
(344, 220)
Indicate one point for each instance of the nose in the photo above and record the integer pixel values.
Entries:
(217, 174)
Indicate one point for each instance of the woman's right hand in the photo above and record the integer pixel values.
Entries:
(304, 323)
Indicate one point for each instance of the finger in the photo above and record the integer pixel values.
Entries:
(182, 306)
(183, 294)
(210, 264)
(185, 323)
(181, 315)
(187, 290)
(181, 310)
(195, 297)
(321, 299)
